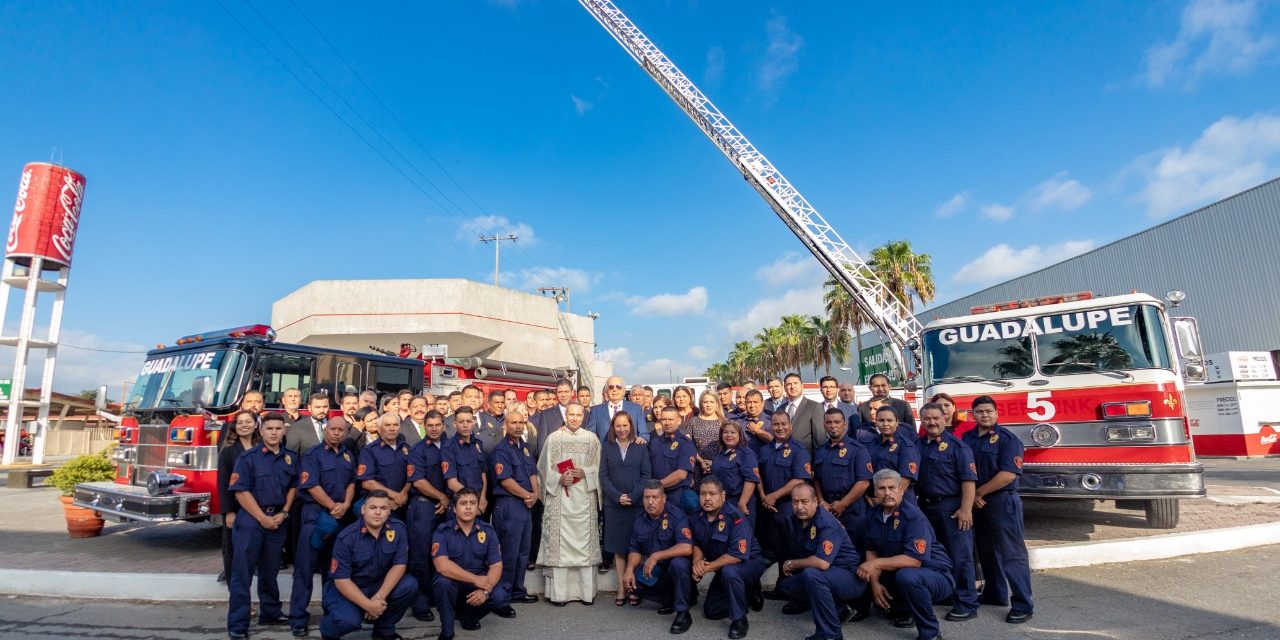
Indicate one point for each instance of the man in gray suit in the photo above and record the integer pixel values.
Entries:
(414, 427)
(806, 415)
(308, 431)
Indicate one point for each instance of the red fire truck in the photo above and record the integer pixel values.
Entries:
(167, 452)
(1093, 388)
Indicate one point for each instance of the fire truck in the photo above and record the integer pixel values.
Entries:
(1092, 386)
(167, 435)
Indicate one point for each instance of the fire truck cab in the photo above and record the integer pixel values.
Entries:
(167, 452)
(1092, 386)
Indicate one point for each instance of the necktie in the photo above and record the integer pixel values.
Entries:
(791, 409)
(613, 408)
(319, 430)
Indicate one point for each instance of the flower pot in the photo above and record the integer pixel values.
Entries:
(81, 522)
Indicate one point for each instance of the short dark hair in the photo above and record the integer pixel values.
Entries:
(317, 396)
(363, 412)
(454, 393)
(670, 407)
(833, 411)
(378, 493)
(269, 416)
(884, 407)
(497, 394)
(756, 393)
(648, 388)
(432, 415)
(825, 379)
(470, 387)
(932, 405)
(582, 388)
(712, 481)
(466, 408)
(771, 379)
(983, 400)
(878, 375)
(404, 391)
(792, 375)
(564, 383)
(654, 485)
(463, 492)
(417, 398)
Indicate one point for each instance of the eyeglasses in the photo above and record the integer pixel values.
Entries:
(615, 387)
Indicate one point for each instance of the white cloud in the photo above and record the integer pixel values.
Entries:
(997, 212)
(790, 268)
(1002, 262)
(663, 369)
(715, 65)
(768, 311)
(497, 225)
(1215, 37)
(580, 105)
(698, 352)
(1229, 156)
(955, 205)
(583, 105)
(781, 56)
(620, 357)
(577, 280)
(80, 369)
(691, 303)
(1058, 192)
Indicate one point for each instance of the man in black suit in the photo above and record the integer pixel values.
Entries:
(879, 384)
(547, 422)
(308, 431)
(777, 396)
(806, 415)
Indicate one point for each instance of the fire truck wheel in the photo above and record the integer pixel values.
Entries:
(1161, 514)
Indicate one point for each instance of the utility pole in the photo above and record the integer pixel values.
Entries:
(497, 249)
(559, 294)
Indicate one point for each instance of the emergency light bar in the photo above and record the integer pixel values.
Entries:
(246, 331)
(1031, 302)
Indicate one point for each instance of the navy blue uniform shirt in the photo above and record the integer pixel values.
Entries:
(999, 450)
(734, 467)
(388, 464)
(840, 464)
(267, 476)
(474, 552)
(728, 533)
(511, 461)
(904, 532)
(463, 460)
(945, 462)
(365, 560)
(825, 538)
(424, 464)
(896, 453)
(669, 454)
(331, 468)
(650, 535)
(783, 462)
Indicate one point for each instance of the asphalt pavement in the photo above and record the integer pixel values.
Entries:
(1250, 472)
(1222, 596)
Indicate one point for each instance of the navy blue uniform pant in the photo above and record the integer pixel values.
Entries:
(514, 524)
(915, 590)
(306, 561)
(776, 530)
(959, 544)
(254, 549)
(1002, 550)
(673, 587)
(727, 597)
(451, 601)
(422, 524)
(342, 616)
(751, 507)
(685, 499)
(825, 591)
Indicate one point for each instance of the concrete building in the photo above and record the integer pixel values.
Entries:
(1225, 257)
(471, 318)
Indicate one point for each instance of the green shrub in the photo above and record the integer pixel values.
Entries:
(91, 467)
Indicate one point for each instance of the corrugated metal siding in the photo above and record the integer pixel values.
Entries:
(1226, 257)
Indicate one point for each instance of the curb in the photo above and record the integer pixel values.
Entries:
(169, 587)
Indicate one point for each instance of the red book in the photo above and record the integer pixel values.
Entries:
(565, 466)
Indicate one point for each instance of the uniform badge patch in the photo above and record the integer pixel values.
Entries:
(870, 469)
(720, 527)
(893, 447)
(497, 468)
(391, 535)
(675, 445)
(664, 524)
(526, 451)
(942, 446)
(911, 466)
(693, 461)
(346, 456)
(808, 469)
(843, 451)
(288, 459)
(435, 548)
(733, 456)
(813, 532)
(786, 452)
(895, 524)
(827, 547)
(444, 466)
(235, 477)
(686, 533)
(303, 477)
(333, 566)
(921, 545)
(360, 470)
(404, 450)
(408, 470)
(480, 537)
(742, 546)
(973, 467)
(994, 438)
(1017, 461)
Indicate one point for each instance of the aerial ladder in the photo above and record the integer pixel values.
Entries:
(882, 308)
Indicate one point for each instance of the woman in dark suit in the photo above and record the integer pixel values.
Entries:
(624, 467)
(241, 437)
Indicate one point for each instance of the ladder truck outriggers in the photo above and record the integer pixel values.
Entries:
(1092, 386)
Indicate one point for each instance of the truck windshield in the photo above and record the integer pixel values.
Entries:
(1119, 338)
(185, 380)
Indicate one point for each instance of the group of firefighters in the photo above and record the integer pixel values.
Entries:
(855, 505)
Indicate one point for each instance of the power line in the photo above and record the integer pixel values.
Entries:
(72, 346)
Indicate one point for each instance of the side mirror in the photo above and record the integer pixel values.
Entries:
(1186, 332)
(100, 398)
(1194, 372)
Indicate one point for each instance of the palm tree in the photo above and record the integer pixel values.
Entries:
(796, 344)
(905, 273)
(737, 360)
(843, 311)
(772, 349)
(1088, 352)
(829, 341)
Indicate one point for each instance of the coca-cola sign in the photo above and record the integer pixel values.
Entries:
(46, 214)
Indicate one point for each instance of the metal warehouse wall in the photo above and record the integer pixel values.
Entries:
(1226, 257)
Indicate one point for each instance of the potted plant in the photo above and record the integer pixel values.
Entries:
(93, 467)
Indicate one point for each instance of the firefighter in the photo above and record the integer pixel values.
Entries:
(515, 491)
(384, 465)
(659, 535)
(367, 578)
(945, 495)
(997, 523)
(723, 544)
(462, 458)
(823, 578)
(842, 472)
(264, 482)
(784, 463)
(468, 580)
(893, 450)
(907, 569)
(326, 488)
(672, 456)
(428, 504)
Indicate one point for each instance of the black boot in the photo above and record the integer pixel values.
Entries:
(738, 628)
(682, 622)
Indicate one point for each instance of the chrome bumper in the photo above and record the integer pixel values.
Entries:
(1126, 482)
(128, 502)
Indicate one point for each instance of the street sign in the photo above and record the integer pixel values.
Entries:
(6, 387)
(877, 359)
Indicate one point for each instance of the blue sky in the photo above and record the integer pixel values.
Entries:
(995, 137)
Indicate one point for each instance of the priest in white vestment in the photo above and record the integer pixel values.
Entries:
(570, 529)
